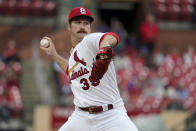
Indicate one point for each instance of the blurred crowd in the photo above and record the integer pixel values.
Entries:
(170, 79)
(11, 104)
(25, 8)
(174, 10)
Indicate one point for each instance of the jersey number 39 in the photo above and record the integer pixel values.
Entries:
(86, 85)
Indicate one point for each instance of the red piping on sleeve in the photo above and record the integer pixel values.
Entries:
(67, 70)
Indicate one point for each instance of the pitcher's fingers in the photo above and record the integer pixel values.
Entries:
(43, 48)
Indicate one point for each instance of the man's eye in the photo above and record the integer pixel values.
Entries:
(86, 23)
(77, 22)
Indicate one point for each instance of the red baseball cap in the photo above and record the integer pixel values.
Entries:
(80, 11)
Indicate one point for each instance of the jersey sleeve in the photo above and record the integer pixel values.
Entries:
(93, 41)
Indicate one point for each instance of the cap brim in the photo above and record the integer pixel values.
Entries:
(84, 16)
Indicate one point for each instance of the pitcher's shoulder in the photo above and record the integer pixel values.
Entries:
(91, 35)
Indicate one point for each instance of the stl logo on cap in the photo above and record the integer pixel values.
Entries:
(82, 11)
(79, 11)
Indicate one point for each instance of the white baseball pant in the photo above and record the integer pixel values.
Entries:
(112, 120)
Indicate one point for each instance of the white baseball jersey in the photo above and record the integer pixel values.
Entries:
(80, 65)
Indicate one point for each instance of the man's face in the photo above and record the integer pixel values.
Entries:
(79, 28)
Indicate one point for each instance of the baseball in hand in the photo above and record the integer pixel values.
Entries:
(44, 43)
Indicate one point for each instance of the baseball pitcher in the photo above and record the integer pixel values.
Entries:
(98, 105)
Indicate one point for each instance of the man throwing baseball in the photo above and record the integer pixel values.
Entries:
(98, 105)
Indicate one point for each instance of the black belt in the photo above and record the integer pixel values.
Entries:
(95, 109)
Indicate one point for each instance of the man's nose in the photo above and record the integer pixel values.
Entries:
(82, 25)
